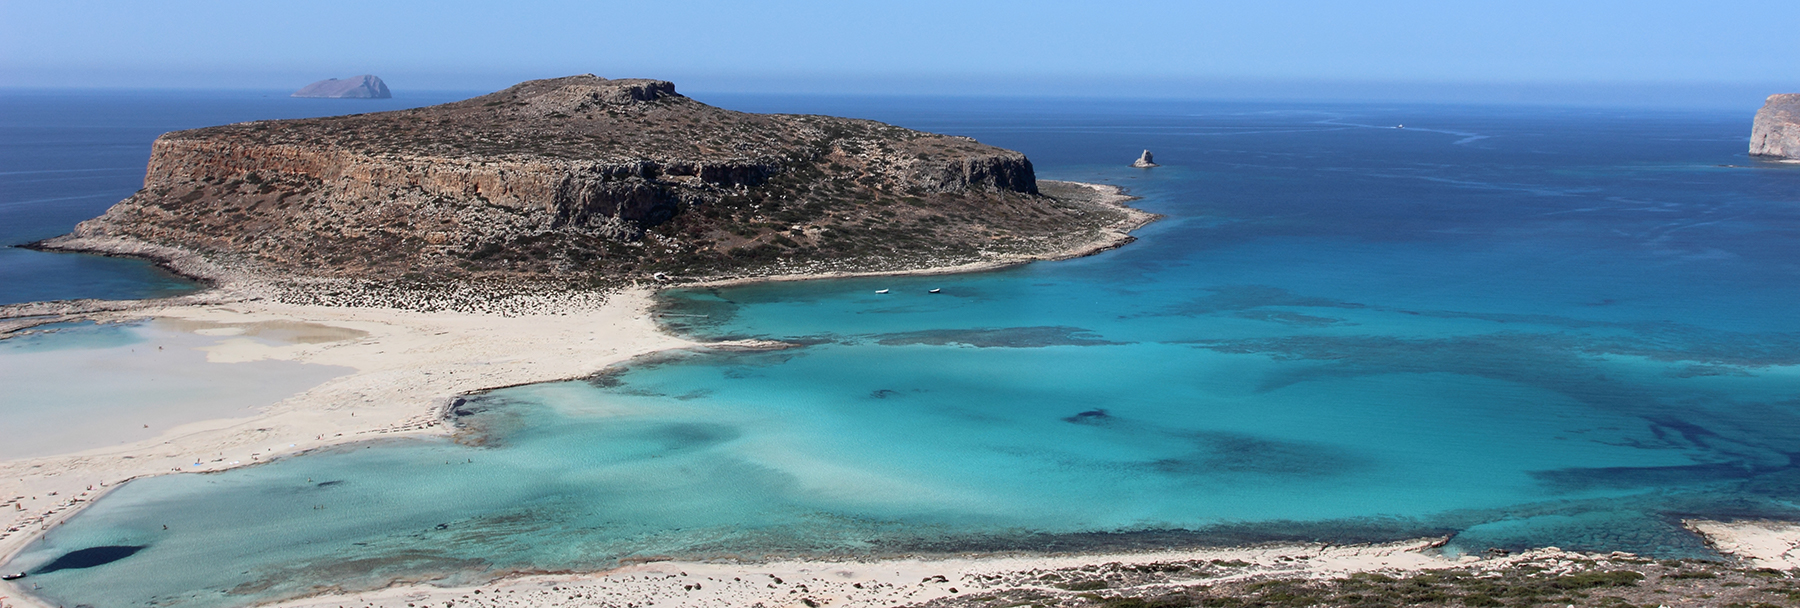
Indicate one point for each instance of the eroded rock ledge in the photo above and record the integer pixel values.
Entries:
(1776, 134)
(580, 181)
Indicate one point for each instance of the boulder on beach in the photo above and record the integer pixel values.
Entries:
(1776, 133)
(354, 87)
(1145, 161)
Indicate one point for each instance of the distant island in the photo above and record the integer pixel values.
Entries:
(583, 182)
(1776, 134)
(354, 87)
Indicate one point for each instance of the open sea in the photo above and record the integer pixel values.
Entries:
(1514, 326)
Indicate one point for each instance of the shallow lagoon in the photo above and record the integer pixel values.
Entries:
(75, 387)
(1522, 327)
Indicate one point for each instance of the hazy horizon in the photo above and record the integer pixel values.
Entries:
(1726, 54)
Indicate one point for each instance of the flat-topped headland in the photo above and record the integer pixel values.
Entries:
(584, 182)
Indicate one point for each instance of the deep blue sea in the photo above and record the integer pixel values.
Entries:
(1516, 326)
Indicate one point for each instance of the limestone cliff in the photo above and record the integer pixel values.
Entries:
(581, 179)
(1776, 133)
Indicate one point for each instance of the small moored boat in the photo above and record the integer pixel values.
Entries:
(881, 291)
(936, 290)
(13, 576)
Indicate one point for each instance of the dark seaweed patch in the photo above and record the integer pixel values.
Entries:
(90, 557)
(689, 436)
(1216, 453)
(1232, 298)
(1559, 363)
(1580, 479)
(1289, 318)
(607, 379)
(1090, 417)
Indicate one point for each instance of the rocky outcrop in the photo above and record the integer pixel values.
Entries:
(1776, 133)
(1145, 161)
(577, 179)
(355, 87)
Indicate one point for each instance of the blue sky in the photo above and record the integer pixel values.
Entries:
(1084, 48)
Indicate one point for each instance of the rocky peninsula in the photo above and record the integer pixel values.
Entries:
(583, 182)
(1776, 134)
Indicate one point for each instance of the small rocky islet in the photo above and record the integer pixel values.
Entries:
(583, 182)
(366, 86)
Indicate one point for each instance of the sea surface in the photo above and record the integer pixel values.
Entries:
(1513, 326)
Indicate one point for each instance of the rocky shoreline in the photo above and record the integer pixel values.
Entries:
(1107, 224)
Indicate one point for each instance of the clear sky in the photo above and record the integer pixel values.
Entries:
(1118, 48)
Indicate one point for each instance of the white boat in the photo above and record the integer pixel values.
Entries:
(882, 291)
(936, 290)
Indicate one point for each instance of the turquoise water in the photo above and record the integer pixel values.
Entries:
(1517, 326)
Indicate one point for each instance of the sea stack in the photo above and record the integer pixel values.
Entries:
(1776, 134)
(1145, 161)
(354, 87)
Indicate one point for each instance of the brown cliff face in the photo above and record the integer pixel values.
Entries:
(579, 179)
(1776, 133)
